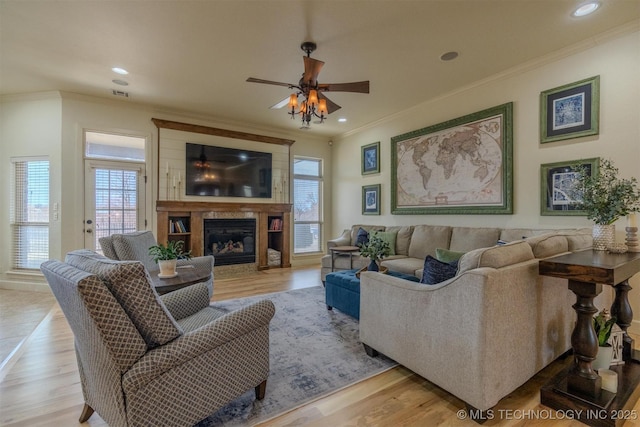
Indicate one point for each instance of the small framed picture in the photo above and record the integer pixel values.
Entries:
(371, 158)
(557, 196)
(570, 111)
(371, 199)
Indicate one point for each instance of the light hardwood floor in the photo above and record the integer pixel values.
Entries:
(39, 385)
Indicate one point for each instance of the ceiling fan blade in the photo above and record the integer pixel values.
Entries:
(312, 68)
(359, 87)
(331, 106)
(270, 82)
(280, 104)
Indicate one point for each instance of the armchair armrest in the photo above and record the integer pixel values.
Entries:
(343, 240)
(186, 301)
(202, 264)
(190, 345)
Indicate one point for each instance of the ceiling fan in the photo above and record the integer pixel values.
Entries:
(315, 103)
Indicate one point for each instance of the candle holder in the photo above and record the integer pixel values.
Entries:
(632, 239)
(167, 185)
(174, 192)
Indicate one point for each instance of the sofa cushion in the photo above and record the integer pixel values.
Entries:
(437, 271)
(547, 245)
(368, 228)
(403, 238)
(362, 237)
(445, 255)
(403, 265)
(426, 238)
(496, 256)
(390, 238)
(514, 234)
(130, 285)
(464, 239)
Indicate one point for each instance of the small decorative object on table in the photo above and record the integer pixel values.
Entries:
(617, 248)
(632, 233)
(166, 257)
(374, 249)
(605, 198)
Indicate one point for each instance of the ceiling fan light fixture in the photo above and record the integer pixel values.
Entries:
(313, 97)
(322, 108)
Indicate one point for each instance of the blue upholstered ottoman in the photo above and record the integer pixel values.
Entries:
(342, 290)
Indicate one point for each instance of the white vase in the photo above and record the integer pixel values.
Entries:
(604, 235)
(167, 267)
(603, 358)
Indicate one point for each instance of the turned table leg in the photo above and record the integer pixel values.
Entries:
(582, 377)
(623, 313)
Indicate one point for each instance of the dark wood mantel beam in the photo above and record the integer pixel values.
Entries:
(186, 127)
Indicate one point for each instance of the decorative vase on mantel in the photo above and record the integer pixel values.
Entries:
(604, 235)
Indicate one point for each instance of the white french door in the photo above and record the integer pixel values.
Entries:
(114, 199)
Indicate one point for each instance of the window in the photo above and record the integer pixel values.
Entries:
(30, 212)
(307, 205)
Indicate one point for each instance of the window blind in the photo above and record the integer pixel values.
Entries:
(30, 213)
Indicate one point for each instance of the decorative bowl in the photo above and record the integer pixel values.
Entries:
(383, 270)
(617, 248)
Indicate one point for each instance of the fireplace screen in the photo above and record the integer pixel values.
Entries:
(230, 241)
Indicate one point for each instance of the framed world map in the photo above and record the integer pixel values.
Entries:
(462, 166)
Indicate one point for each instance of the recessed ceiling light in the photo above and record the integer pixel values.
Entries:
(120, 82)
(449, 56)
(586, 8)
(342, 120)
(120, 71)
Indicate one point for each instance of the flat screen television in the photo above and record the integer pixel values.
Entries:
(227, 172)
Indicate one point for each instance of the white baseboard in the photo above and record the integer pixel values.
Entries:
(25, 286)
(634, 328)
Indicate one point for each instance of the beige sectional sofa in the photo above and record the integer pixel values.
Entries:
(486, 331)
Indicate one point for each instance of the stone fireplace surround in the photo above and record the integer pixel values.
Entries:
(263, 213)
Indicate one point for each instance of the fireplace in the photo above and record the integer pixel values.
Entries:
(230, 241)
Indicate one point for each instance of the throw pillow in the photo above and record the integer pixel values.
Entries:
(445, 255)
(362, 237)
(390, 238)
(437, 271)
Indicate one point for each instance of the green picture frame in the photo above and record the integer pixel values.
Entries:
(371, 199)
(461, 166)
(555, 186)
(370, 158)
(570, 111)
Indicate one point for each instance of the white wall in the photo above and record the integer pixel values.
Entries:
(29, 126)
(615, 58)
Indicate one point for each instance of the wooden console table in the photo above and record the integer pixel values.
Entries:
(579, 387)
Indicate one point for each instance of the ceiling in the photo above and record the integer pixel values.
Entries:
(195, 56)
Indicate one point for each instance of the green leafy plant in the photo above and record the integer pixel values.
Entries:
(603, 325)
(172, 250)
(375, 248)
(604, 196)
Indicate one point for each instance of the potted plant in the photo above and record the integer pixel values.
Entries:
(605, 198)
(603, 324)
(376, 248)
(166, 256)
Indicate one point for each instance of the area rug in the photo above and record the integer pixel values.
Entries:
(313, 353)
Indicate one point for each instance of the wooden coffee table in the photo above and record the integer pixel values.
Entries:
(187, 276)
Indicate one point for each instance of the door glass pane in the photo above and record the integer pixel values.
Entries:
(116, 202)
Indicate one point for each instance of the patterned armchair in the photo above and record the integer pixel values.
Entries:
(135, 247)
(150, 360)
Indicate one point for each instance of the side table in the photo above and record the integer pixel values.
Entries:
(186, 277)
(343, 250)
(579, 387)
